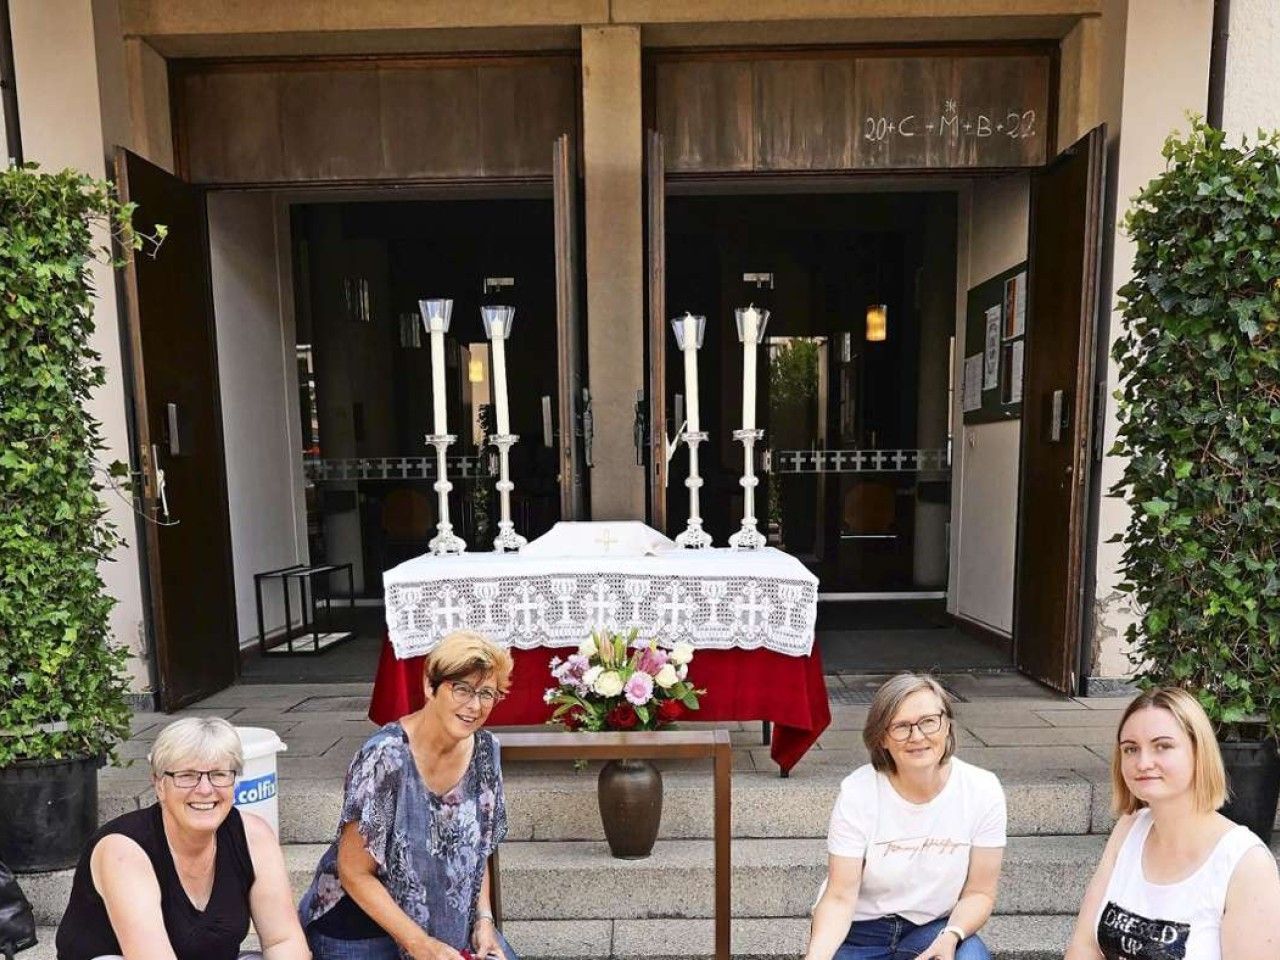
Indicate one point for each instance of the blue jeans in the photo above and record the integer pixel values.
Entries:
(375, 948)
(893, 938)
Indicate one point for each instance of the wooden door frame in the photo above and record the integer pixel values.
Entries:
(1083, 413)
(570, 375)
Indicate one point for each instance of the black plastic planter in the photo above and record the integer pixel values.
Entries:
(50, 811)
(1253, 776)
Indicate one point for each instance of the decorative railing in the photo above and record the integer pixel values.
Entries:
(860, 461)
(395, 468)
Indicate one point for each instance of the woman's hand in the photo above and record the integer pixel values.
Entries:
(484, 940)
(428, 948)
(943, 948)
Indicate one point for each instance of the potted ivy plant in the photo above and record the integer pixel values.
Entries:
(1199, 421)
(63, 706)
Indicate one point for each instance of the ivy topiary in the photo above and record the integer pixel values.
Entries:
(62, 683)
(1199, 411)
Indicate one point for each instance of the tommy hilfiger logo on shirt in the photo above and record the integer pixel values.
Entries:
(939, 846)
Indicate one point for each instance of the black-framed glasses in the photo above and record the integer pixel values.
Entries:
(190, 779)
(464, 692)
(928, 726)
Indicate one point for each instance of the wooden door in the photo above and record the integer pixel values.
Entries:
(656, 227)
(572, 404)
(178, 431)
(1065, 246)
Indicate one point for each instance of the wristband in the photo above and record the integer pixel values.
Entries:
(952, 928)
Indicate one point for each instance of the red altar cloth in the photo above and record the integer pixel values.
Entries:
(741, 685)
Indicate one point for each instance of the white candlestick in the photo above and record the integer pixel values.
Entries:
(750, 331)
(691, 373)
(498, 343)
(436, 325)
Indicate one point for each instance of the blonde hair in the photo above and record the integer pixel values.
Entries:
(885, 706)
(1208, 776)
(464, 652)
(196, 740)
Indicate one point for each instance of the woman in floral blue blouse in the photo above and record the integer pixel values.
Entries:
(422, 809)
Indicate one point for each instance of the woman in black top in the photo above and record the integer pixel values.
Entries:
(181, 879)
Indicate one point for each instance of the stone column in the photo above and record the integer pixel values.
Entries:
(613, 164)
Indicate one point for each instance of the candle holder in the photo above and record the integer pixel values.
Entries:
(445, 542)
(748, 537)
(693, 536)
(507, 538)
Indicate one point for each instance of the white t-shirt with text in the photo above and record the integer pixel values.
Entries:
(915, 855)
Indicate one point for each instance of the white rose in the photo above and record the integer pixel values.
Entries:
(589, 678)
(683, 671)
(681, 654)
(666, 676)
(588, 646)
(608, 684)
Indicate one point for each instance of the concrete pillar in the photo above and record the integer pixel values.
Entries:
(63, 70)
(613, 166)
(1153, 101)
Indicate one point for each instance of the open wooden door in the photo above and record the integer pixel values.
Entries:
(572, 404)
(1065, 247)
(178, 430)
(655, 178)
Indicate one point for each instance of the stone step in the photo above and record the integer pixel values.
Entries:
(771, 878)
(1009, 937)
(561, 805)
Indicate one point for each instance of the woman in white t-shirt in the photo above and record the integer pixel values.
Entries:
(915, 842)
(1177, 880)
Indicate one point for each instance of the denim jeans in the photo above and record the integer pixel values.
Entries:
(375, 948)
(893, 938)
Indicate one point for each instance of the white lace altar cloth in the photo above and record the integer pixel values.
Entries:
(715, 599)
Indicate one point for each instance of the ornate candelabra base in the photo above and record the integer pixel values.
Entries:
(748, 537)
(445, 541)
(507, 538)
(693, 537)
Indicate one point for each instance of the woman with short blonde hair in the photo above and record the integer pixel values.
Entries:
(915, 842)
(1177, 879)
(184, 876)
(423, 808)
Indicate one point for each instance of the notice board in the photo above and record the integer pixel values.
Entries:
(994, 355)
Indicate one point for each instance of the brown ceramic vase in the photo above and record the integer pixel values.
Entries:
(630, 794)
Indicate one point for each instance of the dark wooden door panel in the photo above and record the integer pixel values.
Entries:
(573, 494)
(1066, 217)
(656, 230)
(179, 426)
(433, 116)
(705, 115)
(809, 104)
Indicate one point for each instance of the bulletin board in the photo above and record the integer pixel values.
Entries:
(994, 355)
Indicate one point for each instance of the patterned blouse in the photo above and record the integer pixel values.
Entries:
(430, 850)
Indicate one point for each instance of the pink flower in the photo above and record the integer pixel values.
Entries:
(639, 689)
(651, 661)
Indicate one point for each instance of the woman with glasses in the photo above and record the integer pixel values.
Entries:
(184, 876)
(422, 810)
(915, 841)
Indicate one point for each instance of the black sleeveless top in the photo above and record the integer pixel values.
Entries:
(214, 933)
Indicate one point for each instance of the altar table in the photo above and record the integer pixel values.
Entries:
(750, 616)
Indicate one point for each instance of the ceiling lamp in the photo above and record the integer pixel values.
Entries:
(877, 322)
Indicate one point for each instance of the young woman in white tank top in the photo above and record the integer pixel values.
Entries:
(1177, 881)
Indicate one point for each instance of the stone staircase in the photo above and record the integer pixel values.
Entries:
(565, 897)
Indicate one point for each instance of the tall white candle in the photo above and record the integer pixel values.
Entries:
(499, 346)
(750, 332)
(691, 372)
(440, 422)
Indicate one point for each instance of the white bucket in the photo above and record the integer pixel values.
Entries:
(255, 790)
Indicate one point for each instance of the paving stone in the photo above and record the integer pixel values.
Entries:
(1099, 719)
(1039, 736)
(559, 939)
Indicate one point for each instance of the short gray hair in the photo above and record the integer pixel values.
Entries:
(199, 739)
(885, 706)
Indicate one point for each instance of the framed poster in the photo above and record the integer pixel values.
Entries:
(994, 347)
(991, 353)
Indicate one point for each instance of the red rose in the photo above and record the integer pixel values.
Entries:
(571, 720)
(669, 711)
(622, 717)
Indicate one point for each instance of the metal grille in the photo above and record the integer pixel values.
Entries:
(396, 468)
(860, 461)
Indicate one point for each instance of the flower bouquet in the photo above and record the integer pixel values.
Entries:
(615, 683)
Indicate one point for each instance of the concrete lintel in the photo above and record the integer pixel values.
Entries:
(164, 18)
(713, 11)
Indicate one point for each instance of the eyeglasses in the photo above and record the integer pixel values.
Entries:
(190, 779)
(928, 726)
(464, 692)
